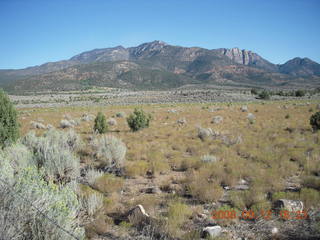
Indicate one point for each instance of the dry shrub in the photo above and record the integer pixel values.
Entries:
(108, 183)
(136, 168)
(246, 199)
(178, 213)
(203, 188)
(110, 151)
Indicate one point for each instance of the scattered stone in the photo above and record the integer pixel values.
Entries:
(212, 231)
(37, 125)
(138, 215)
(231, 140)
(87, 117)
(217, 119)
(172, 111)
(66, 124)
(242, 185)
(244, 108)
(290, 205)
(181, 121)
(49, 126)
(151, 190)
(251, 117)
(274, 231)
(121, 115)
(112, 122)
(215, 109)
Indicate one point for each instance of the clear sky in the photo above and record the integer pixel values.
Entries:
(33, 32)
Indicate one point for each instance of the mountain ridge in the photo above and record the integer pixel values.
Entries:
(159, 63)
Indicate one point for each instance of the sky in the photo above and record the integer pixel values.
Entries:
(33, 32)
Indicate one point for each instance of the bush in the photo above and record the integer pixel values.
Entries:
(108, 183)
(264, 95)
(100, 124)
(53, 153)
(299, 93)
(315, 121)
(9, 126)
(178, 213)
(19, 156)
(138, 120)
(110, 151)
(31, 191)
(254, 91)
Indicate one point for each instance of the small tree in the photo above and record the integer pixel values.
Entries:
(315, 121)
(9, 126)
(138, 120)
(264, 95)
(100, 124)
(254, 91)
(300, 93)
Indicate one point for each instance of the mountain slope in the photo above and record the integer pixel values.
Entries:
(158, 65)
(300, 67)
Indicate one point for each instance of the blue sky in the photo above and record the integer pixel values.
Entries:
(38, 31)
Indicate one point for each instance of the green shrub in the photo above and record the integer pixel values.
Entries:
(100, 124)
(299, 93)
(315, 121)
(254, 91)
(138, 120)
(264, 95)
(9, 126)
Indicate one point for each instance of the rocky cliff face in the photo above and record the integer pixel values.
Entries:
(248, 58)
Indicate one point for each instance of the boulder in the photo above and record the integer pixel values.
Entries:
(181, 121)
(290, 205)
(217, 119)
(211, 231)
(138, 215)
(112, 122)
(244, 108)
(38, 125)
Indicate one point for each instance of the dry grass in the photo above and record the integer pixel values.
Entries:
(270, 150)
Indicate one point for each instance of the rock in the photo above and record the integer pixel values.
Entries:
(49, 126)
(244, 108)
(172, 111)
(151, 190)
(251, 117)
(112, 122)
(66, 124)
(74, 122)
(215, 109)
(120, 115)
(290, 205)
(182, 121)
(217, 119)
(138, 215)
(274, 231)
(211, 231)
(242, 185)
(87, 117)
(38, 125)
(204, 133)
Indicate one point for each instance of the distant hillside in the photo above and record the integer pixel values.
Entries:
(158, 65)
